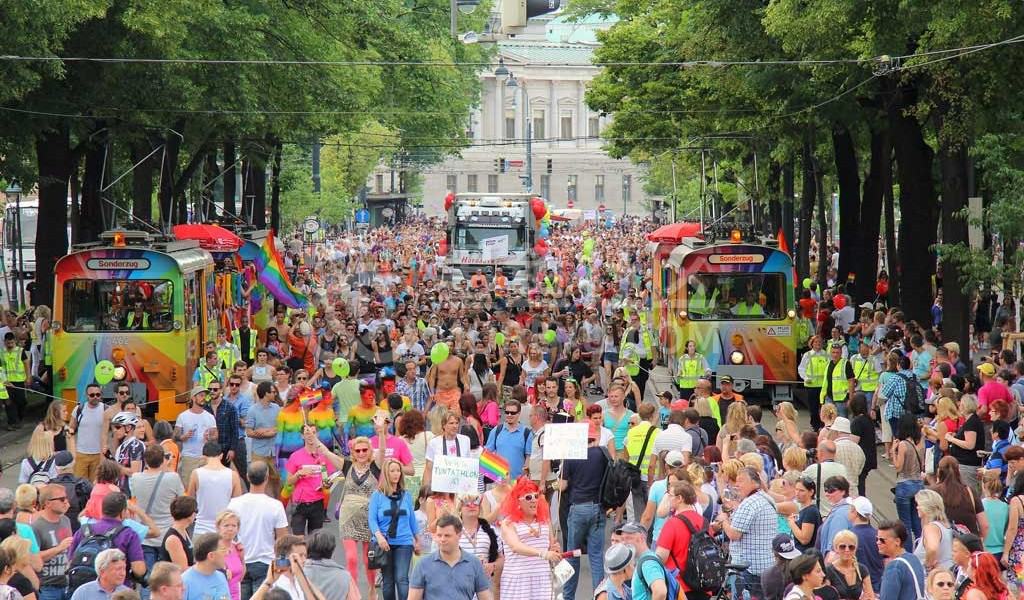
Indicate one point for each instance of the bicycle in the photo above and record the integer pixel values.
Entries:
(732, 572)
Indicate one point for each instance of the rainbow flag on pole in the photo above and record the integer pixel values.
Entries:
(310, 398)
(271, 273)
(493, 466)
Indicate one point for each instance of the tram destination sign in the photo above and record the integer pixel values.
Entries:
(735, 259)
(117, 264)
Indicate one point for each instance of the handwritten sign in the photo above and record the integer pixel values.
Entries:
(565, 441)
(494, 247)
(455, 474)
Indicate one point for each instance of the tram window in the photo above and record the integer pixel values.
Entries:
(667, 282)
(118, 305)
(736, 296)
(212, 298)
(191, 303)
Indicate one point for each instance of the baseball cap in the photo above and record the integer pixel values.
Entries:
(63, 458)
(632, 527)
(674, 458)
(617, 558)
(197, 391)
(679, 404)
(952, 347)
(725, 379)
(863, 506)
(841, 424)
(783, 545)
(987, 369)
(866, 305)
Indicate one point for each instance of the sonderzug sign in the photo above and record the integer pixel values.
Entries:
(117, 264)
(735, 259)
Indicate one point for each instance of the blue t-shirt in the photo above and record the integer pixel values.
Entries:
(263, 418)
(654, 496)
(514, 446)
(25, 530)
(652, 570)
(898, 580)
(205, 587)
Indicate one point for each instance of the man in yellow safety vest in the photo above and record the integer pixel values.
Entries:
(209, 371)
(700, 303)
(748, 307)
(691, 366)
(227, 352)
(839, 380)
(244, 338)
(812, 368)
(15, 364)
(865, 370)
(137, 319)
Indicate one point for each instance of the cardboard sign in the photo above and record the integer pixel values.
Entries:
(566, 441)
(455, 474)
(494, 247)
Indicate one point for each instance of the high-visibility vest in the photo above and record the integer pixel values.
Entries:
(690, 370)
(48, 349)
(828, 346)
(839, 383)
(716, 411)
(629, 348)
(816, 370)
(130, 321)
(803, 331)
(208, 375)
(549, 283)
(865, 372)
(226, 354)
(699, 302)
(236, 337)
(14, 366)
(3, 388)
(745, 310)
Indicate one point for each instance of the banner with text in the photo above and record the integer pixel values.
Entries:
(565, 441)
(455, 474)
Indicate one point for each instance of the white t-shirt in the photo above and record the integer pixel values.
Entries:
(261, 515)
(673, 437)
(434, 447)
(198, 424)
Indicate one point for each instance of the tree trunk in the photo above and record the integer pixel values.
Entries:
(259, 201)
(230, 189)
(209, 184)
(142, 179)
(247, 190)
(956, 305)
(53, 156)
(275, 194)
(76, 202)
(848, 177)
(891, 251)
(918, 207)
(774, 201)
(167, 171)
(93, 216)
(788, 190)
(866, 264)
(809, 192)
(824, 256)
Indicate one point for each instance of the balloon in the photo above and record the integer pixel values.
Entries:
(449, 200)
(341, 367)
(807, 283)
(499, 338)
(549, 336)
(104, 372)
(544, 232)
(538, 208)
(839, 301)
(439, 353)
(541, 247)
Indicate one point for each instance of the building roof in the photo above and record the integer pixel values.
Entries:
(548, 52)
(562, 29)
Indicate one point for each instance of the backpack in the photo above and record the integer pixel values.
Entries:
(671, 576)
(705, 562)
(40, 472)
(913, 403)
(697, 435)
(621, 476)
(82, 566)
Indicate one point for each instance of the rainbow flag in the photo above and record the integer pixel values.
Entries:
(270, 269)
(493, 466)
(310, 398)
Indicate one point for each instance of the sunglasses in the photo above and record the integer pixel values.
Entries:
(511, 413)
(944, 584)
(301, 378)
(123, 392)
(530, 497)
(846, 546)
(360, 451)
(232, 384)
(471, 501)
(216, 389)
(882, 540)
(95, 395)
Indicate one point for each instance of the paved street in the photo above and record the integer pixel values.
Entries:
(12, 448)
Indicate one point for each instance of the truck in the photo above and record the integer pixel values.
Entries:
(488, 232)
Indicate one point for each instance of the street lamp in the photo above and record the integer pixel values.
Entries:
(502, 70)
(13, 193)
(514, 84)
(461, 6)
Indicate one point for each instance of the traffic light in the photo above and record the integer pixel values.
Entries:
(500, 165)
(550, 165)
(515, 13)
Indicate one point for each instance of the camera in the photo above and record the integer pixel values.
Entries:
(812, 455)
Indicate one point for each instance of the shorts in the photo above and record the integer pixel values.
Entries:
(449, 399)
(611, 357)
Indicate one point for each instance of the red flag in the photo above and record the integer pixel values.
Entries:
(784, 246)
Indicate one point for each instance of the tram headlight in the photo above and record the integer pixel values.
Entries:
(736, 357)
(177, 325)
(791, 314)
(120, 373)
(682, 314)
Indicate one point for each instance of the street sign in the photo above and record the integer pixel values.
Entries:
(570, 204)
(600, 207)
(514, 163)
(362, 216)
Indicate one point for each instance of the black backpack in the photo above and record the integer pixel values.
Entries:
(621, 476)
(705, 562)
(913, 403)
(82, 567)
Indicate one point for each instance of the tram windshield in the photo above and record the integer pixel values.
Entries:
(736, 296)
(118, 305)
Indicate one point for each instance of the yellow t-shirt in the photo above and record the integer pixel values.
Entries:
(635, 442)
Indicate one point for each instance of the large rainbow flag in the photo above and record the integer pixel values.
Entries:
(271, 273)
(493, 466)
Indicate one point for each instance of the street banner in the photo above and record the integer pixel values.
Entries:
(455, 474)
(565, 441)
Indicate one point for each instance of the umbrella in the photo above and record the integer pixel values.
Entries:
(210, 237)
(675, 232)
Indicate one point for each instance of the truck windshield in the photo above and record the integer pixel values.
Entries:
(118, 305)
(471, 238)
(736, 296)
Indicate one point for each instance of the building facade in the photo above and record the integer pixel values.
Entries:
(552, 72)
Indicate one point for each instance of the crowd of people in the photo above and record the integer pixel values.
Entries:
(316, 436)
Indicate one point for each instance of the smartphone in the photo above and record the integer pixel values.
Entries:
(282, 562)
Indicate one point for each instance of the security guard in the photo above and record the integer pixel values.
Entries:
(636, 345)
(839, 380)
(137, 319)
(865, 370)
(837, 340)
(699, 304)
(691, 366)
(227, 352)
(15, 363)
(812, 371)
(748, 307)
(5, 397)
(244, 339)
(209, 371)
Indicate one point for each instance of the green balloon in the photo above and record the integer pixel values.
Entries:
(104, 372)
(340, 367)
(807, 283)
(549, 336)
(499, 338)
(588, 245)
(439, 353)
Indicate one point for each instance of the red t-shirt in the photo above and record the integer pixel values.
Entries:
(675, 537)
